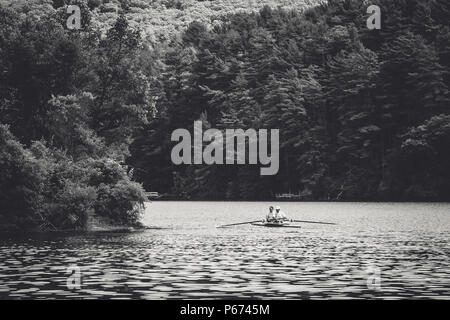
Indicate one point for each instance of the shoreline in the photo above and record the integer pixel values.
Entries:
(299, 201)
(116, 229)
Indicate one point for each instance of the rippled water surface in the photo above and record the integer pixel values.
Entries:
(375, 251)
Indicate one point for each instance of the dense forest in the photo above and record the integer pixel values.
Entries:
(363, 114)
(86, 115)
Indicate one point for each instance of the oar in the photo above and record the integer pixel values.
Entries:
(238, 224)
(318, 222)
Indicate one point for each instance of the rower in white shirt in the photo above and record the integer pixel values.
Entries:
(271, 215)
(279, 215)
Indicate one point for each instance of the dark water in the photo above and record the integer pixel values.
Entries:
(375, 251)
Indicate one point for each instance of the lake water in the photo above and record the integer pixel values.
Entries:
(375, 251)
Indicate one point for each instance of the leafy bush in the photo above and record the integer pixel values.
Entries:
(117, 196)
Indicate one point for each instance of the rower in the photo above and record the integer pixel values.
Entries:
(271, 215)
(279, 215)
